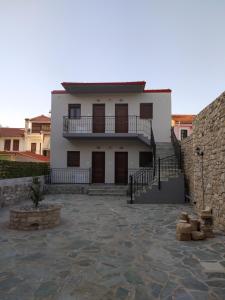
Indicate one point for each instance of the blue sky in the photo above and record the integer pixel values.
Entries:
(175, 44)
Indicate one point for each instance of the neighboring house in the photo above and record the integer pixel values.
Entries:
(101, 132)
(29, 143)
(37, 135)
(183, 125)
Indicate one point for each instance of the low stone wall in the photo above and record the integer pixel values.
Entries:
(35, 219)
(66, 188)
(16, 190)
(206, 174)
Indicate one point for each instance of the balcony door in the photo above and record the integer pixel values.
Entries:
(121, 167)
(121, 118)
(98, 118)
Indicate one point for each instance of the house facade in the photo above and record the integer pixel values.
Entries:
(37, 135)
(102, 132)
(182, 125)
(25, 143)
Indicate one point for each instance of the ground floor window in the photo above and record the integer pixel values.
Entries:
(7, 145)
(46, 153)
(16, 144)
(73, 158)
(145, 159)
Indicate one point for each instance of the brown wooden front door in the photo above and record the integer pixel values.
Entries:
(98, 118)
(121, 115)
(98, 167)
(33, 147)
(121, 167)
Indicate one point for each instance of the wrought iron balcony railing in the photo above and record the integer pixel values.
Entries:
(107, 125)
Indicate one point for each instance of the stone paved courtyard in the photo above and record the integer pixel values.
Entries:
(106, 249)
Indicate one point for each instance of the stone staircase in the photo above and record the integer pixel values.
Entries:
(164, 150)
(107, 190)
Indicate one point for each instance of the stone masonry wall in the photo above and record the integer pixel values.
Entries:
(209, 135)
(15, 190)
(187, 154)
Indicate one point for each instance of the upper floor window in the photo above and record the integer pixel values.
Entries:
(183, 134)
(146, 110)
(74, 111)
(7, 145)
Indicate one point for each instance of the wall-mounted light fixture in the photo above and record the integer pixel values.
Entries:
(199, 152)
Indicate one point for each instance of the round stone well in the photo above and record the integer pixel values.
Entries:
(30, 218)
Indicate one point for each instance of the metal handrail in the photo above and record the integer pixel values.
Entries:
(146, 176)
(85, 124)
(70, 175)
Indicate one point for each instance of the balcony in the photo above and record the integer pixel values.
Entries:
(107, 127)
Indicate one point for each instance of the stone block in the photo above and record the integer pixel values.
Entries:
(184, 216)
(197, 235)
(183, 236)
(183, 228)
(195, 224)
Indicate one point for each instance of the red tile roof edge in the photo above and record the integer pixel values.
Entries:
(40, 118)
(11, 132)
(145, 91)
(158, 91)
(59, 92)
(105, 83)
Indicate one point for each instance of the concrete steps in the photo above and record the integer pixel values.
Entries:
(164, 150)
(111, 190)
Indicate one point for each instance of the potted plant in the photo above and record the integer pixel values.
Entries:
(36, 216)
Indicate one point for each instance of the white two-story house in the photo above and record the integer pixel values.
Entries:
(103, 132)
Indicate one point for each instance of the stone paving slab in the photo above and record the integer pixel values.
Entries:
(105, 249)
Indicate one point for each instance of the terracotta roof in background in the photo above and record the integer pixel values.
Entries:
(41, 118)
(183, 119)
(28, 154)
(38, 157)
(11, 132)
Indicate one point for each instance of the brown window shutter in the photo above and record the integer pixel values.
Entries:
(16, 145)
(73, 158)
(146, 110)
